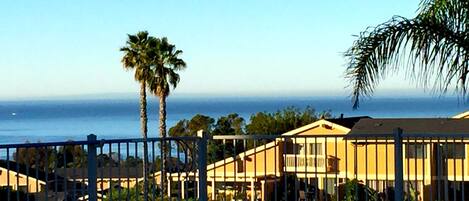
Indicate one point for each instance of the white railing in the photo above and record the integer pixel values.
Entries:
(305, 163)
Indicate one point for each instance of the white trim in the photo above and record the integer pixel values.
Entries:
(316, 124)
(461, 115)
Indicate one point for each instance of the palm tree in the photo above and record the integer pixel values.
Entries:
(432, 47)
(136, 57)
(165, 64)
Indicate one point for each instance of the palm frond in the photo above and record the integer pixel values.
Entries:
(436, 51)
(165, 64)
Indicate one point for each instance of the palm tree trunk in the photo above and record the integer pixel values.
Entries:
(162, 118)
(144, 129)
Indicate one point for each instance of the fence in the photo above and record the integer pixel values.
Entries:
(247, 167)
(99, 169)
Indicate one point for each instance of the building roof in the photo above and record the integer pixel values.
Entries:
(410, 126)
(24, 170)
(462, 115)
(347, 122)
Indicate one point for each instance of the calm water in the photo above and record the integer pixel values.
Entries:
(33, 121)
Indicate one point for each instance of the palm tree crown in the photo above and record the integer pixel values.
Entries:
(433, 48)
(166, 63)
(137, 55)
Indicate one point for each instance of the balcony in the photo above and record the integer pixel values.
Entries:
(304, 163)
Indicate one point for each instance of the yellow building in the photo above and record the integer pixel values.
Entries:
(16, 177)
(325, 154)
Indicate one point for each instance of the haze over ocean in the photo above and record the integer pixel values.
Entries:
(58, 120)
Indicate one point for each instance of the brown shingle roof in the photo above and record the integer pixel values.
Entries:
(411, 126)
(23, 169)
(347, 122)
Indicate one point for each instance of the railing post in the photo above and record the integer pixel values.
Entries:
(92, 178)
(202, 165)
(398, 167)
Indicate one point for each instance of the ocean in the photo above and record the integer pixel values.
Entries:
(59, 120)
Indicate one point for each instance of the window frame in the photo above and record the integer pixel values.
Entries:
(448, 148)
(411, 153)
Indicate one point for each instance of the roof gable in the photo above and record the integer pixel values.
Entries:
(297, 131)
(463, 115)
(343, 124)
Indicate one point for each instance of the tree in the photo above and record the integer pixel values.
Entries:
(433, 47)
(71, 156)
(189, 128)
(353, 190)
(132, 161)
(137, 57)
(43, 158)
(232, 124)
(283, 120)
(165, 63)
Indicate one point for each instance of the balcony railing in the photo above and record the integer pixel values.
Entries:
(295, 162)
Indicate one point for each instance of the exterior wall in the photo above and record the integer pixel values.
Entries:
(371, 161)
(261, 162)
(22, 181)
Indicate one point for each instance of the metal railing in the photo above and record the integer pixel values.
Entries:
(101, 169)
(240, 167)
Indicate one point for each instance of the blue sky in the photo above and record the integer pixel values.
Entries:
(242, 47)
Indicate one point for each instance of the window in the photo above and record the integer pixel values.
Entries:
(315, 148)
(454, 151)
(240, 165)
(415, 151)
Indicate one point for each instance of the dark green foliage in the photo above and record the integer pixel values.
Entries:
(231, 124)
(353, 190)
(432, 47)
(40, 157)
(172, 165)
(132, 161)
(134, 195)
(71, 156)
(190, 127)
(125, 194)
(104, 160)
(165, 62)
(282, 121)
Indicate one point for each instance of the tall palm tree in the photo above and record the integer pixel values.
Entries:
(432, 47)
(137, 57)
(165, 65)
